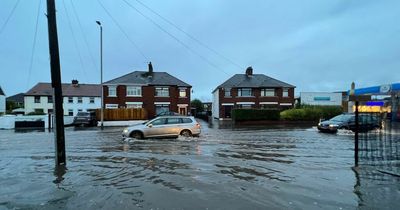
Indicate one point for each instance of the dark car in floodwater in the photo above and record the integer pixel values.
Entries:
(367, 122)
(85, 119)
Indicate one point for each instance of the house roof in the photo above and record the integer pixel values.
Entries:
(45, 89)
(2, 92)
(255, 80)
(16, 98)
(145, 78)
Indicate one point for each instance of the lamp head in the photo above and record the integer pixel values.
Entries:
(98, 22)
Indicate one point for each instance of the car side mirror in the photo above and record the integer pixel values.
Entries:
(150, 125)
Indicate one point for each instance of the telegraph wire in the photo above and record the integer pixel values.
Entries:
(9, 17)
(190, 36)
(175, 38)
(75, 41)
(122, 30)
(83, 34)
(34, 44)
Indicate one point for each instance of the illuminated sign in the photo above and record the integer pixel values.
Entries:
(375, 103)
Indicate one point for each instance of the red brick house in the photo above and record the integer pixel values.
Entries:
(251, 91)
(154, 91)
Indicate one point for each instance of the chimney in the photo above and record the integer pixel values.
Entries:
(75, 83)
(249, 71)
(150, 68)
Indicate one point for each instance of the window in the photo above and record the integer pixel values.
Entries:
(79, 100)
(136, 106)
(182, 93)
(227, 92)
(174, 120)
(268, 106)
(133, 91)
(162, 91)
(285, 92)
(112, 91)
(70, 100)
(50, 99)
(37, 99)
(267, 92)
(162, 108)
(80, 110)
(111, 106)
(39, 111)
(245, 92)
(91, 100)
(70, 112)
(50, 111)
(161, 121)
(245, 106)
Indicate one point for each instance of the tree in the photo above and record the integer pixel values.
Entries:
(196, 103)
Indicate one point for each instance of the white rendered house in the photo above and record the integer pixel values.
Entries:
(76, 97)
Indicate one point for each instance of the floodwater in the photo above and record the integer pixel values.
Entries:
(224, 168)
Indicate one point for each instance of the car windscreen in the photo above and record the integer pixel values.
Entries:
(83, 114)
(342, 118)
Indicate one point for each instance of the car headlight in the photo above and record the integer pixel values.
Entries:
(319, 124)
(125, 130)
(333, 126)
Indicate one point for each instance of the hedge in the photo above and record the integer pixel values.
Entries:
(311, 113)
(255, 114)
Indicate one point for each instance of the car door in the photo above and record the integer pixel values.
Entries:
(174, 126)
(156, 127)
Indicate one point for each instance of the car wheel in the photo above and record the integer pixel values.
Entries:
(186, 133)
(136, 135)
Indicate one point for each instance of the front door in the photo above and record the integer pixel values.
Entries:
(182, 110)
(228, 111)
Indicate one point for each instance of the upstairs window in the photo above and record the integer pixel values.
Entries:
(91, 100)
(182, 93)
(112, 91)
(133, 91)
(37, 99)
(268, 92)
(70, 100)
(50, 99)
(162, 91)
(285, 92)
(227, 92)
(80, 100)
(245, 92)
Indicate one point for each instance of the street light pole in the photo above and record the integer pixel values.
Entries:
(101, 75)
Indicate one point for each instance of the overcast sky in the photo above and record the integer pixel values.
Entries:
(314, 45)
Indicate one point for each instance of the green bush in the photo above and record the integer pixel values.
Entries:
(311, 113)
(255, 114)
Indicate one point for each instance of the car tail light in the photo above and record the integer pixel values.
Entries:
(198, 125)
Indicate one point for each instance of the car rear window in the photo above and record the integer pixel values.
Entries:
(187, 120)
(83, 114)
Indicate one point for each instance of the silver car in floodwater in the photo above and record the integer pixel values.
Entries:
(164, 126)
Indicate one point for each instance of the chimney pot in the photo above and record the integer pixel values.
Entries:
(150, 68)
(249, 71)
(75, 82)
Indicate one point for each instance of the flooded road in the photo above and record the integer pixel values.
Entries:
(241, 168)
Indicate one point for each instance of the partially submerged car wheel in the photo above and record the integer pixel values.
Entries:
(186, 133)
(136, 135)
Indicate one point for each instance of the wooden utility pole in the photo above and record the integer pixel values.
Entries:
(56, 84)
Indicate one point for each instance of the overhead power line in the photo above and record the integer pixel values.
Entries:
(175, 38)
(34, 44)
(83, 34)
(74, 39)
(123, 31)
(190, 36)
(9, 17)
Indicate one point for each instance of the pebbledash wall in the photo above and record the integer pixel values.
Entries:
(2, 104)
(70, 108)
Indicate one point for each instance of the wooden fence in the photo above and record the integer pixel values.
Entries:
(122, 114)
